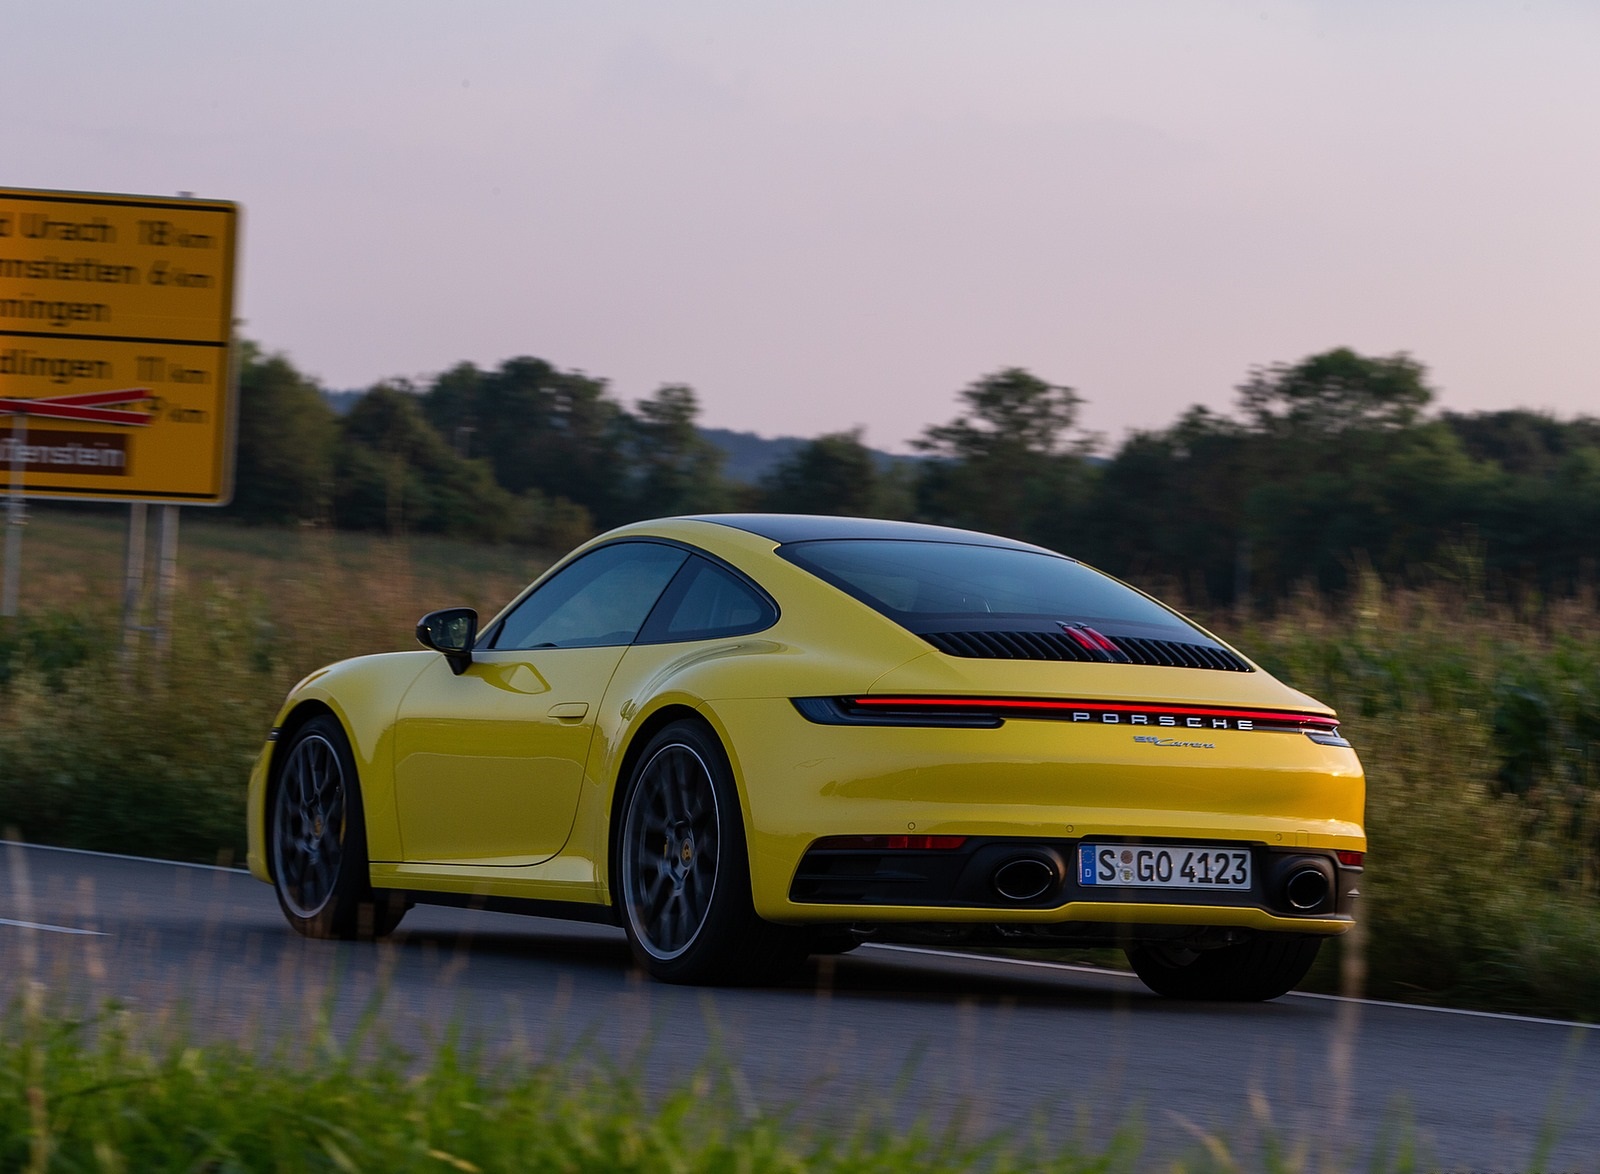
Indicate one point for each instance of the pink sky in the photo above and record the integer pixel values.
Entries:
(831, 213)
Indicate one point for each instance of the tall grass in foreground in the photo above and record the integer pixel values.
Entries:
(1479, 727)
(125, 1092)
(114, 1095)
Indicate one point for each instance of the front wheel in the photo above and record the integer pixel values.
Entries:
(683, 872)
(1264, 967)
(318, 840)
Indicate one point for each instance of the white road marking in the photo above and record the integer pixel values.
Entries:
(118, 856)
(1103, 971)
(88, 933)
(1506, 1015)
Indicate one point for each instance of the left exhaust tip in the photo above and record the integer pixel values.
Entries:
(1024, 878)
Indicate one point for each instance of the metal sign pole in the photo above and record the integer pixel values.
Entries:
(166, 577)
(133, 580)
(16, 518)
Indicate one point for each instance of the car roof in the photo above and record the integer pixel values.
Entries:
(784, 528)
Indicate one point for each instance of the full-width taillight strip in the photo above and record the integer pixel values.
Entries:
(1024, 705)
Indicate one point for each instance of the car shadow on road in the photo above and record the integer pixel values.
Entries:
(599, 955)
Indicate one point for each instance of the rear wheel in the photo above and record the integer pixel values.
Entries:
(1264, 967)
(683, 871)
(318, 840)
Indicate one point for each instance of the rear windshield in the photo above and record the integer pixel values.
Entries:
(929, 586)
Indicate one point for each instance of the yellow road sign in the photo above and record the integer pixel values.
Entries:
(106, 292)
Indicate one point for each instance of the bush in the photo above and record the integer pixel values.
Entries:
(1479, 730)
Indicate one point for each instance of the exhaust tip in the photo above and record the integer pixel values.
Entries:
(1307, 889)
(1025, 878)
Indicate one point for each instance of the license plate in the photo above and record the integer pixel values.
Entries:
(1156, 866)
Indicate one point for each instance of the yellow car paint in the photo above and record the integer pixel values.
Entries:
(488, 764)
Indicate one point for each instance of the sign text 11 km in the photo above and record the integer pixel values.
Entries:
(113, 293)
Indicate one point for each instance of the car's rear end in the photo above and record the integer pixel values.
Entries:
(1065, 762)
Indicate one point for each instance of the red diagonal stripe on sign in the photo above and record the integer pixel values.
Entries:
(88, 399)
(32, 407)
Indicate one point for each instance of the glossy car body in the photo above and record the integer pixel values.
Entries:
(890, 783)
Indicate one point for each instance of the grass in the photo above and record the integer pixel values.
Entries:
(124, 1093)
(154, 756)
(1479, 726)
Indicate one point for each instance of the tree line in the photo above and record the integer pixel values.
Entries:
(1326, 467)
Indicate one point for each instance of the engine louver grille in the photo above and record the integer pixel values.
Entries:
(1052, 646)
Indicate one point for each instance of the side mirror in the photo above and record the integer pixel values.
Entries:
(453, 632)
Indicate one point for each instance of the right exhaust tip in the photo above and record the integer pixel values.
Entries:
(1307, 889)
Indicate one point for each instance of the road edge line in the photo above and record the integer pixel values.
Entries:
(123, 856)
(1079, 968)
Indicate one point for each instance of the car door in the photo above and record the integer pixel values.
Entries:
(489, 764)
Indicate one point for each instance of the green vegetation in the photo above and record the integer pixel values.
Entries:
(127, 1091)
(151, 757)
(115, 1095)
(1480, 732)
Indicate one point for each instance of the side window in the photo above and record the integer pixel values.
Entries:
(601, 599)
(706, 601)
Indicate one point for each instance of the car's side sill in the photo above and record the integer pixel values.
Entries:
(528, 906)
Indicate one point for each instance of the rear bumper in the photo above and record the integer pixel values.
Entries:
(1040, 786)
(1306, 890)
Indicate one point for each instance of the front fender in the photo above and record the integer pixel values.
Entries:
(363, 694)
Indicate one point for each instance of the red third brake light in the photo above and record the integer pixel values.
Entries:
(1081, 638)
(1103, 641)
(1350, 859)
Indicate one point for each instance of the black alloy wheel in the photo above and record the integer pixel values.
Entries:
(682, 870)
(317, 842)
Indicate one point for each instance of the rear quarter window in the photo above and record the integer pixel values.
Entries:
(707, 601)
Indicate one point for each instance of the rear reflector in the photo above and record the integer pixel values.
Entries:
(891, 843)
(1350, 859)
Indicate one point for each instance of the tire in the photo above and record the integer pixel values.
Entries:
(318, 840)
(833, 941)
(683, 871)
(1266, 966)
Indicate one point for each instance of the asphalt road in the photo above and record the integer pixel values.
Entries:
(993, 1044)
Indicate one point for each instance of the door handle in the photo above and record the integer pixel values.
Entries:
(569, 710)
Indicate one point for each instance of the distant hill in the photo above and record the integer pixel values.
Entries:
(342, 401)
(751, 457)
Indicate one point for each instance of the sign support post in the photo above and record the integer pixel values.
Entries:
(133, 580)
(166, 578)
(16, 519)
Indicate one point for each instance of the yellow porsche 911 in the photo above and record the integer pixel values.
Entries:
(748, 738)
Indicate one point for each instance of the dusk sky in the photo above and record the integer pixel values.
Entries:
(826, 214)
